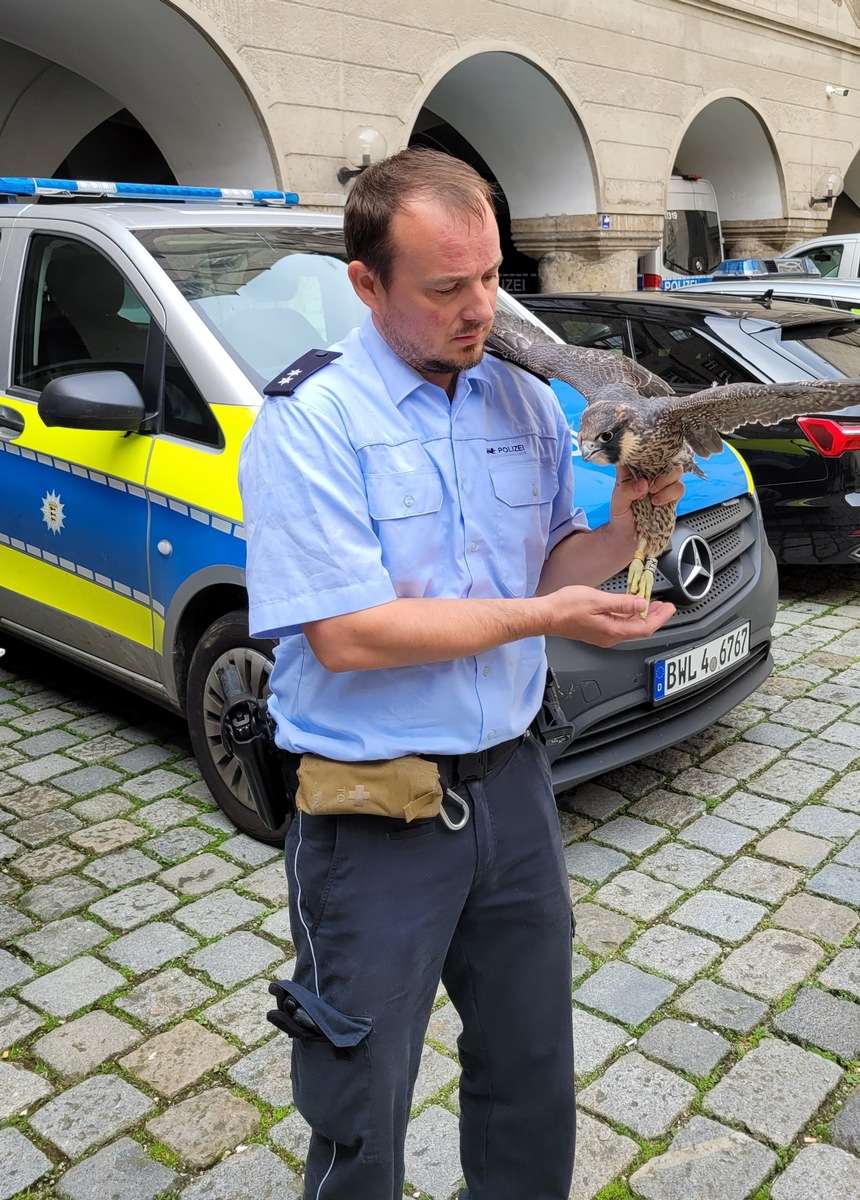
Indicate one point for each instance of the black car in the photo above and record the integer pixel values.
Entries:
(806, 471)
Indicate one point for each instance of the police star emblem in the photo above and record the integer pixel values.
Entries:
(53, 513)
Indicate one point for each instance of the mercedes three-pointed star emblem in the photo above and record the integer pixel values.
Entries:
(695, 567)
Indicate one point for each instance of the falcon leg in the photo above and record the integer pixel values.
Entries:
(634, 573)
(640, 578)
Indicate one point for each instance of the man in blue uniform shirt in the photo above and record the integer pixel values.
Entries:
(412, 537)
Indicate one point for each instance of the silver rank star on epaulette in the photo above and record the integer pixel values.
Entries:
(289, 379)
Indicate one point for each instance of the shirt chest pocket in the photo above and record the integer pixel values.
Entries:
(523, 510)
(405, 509)
(404, 494)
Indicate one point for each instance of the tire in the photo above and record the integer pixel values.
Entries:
(227, 641)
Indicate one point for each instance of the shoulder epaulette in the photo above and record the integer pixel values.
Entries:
(289, 379)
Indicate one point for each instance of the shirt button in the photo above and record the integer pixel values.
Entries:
(486, 671)
(408, 501)
(534, 490)
(492, 733)
(473, 547)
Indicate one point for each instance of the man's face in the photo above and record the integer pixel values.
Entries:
(438, 307)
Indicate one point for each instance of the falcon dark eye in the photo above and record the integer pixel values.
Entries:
(606, 436)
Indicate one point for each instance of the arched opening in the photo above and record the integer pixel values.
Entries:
(503, 115)
(118, 148)
(96, 81)
(728, 144)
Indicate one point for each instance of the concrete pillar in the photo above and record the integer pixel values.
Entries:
(588, 252)
(765, 239)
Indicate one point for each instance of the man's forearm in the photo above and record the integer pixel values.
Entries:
(588, 556)
(404, 632)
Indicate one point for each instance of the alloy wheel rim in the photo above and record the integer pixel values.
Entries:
(254, 670)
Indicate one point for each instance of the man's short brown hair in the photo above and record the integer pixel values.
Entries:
(384, 188)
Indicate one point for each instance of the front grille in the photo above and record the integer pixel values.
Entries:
(731, 530)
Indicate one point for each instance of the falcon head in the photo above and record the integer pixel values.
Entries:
(610, 432)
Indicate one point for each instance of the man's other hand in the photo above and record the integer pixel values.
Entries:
(602, 618)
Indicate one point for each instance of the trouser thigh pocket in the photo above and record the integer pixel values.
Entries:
(331, 1068)
(332, 1091)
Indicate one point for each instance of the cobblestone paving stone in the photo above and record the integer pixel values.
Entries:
(122, 1171)
(715, 996)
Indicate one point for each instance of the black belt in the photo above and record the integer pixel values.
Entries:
(461, 768)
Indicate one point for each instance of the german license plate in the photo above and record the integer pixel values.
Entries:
(691, 668)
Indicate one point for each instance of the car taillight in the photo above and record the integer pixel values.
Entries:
(652, 283)
(831, 438)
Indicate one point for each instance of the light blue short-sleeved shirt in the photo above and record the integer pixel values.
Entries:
(367, 485)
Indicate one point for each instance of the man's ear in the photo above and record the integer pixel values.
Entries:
(366, 284)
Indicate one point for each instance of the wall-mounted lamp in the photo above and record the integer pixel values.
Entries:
(832, 90)
(362, 147)
(827, 188)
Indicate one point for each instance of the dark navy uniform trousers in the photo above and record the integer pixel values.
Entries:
(380, 911)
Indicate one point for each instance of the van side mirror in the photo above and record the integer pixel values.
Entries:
(97, 400)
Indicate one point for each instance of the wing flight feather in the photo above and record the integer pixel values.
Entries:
(729, 407)
(584, 368)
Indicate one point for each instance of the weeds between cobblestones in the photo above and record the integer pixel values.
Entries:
(716, 982)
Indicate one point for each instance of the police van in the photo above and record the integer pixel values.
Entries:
(692, 242)
(138, 327)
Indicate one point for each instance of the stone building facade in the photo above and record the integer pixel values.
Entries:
(580, 109)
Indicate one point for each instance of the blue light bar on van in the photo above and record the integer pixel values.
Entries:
(766, 268)
(19, 186)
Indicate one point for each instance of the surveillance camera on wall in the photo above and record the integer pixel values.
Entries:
(832, 90)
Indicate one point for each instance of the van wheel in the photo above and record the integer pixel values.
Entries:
(227, 641)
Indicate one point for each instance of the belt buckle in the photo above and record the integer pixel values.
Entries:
(471, 766)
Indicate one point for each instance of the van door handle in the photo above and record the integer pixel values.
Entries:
(11, 423)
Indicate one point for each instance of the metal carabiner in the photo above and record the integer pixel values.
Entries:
(464, 820)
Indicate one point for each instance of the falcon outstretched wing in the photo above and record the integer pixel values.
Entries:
(584, 368)
(726, 408)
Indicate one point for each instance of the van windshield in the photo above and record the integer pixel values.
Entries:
(691, 242)
(269, 295)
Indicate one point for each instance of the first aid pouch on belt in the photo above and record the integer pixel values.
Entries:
(403, 788)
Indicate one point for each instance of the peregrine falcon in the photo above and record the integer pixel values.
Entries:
(634, 418)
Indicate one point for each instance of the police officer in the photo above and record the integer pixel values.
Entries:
(411, 538)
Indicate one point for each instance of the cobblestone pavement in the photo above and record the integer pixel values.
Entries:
(716, 990)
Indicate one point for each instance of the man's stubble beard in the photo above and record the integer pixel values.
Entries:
(411, 354)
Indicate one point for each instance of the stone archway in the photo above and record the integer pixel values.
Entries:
(728, 143)
(66, 68)
(516, 124)
(523, 127)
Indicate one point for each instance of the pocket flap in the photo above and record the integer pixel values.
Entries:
(406, 494)
(341, 1030)
(526, 483)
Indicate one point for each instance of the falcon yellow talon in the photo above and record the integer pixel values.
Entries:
(646, 583)
(640, 579)
(634, 573)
